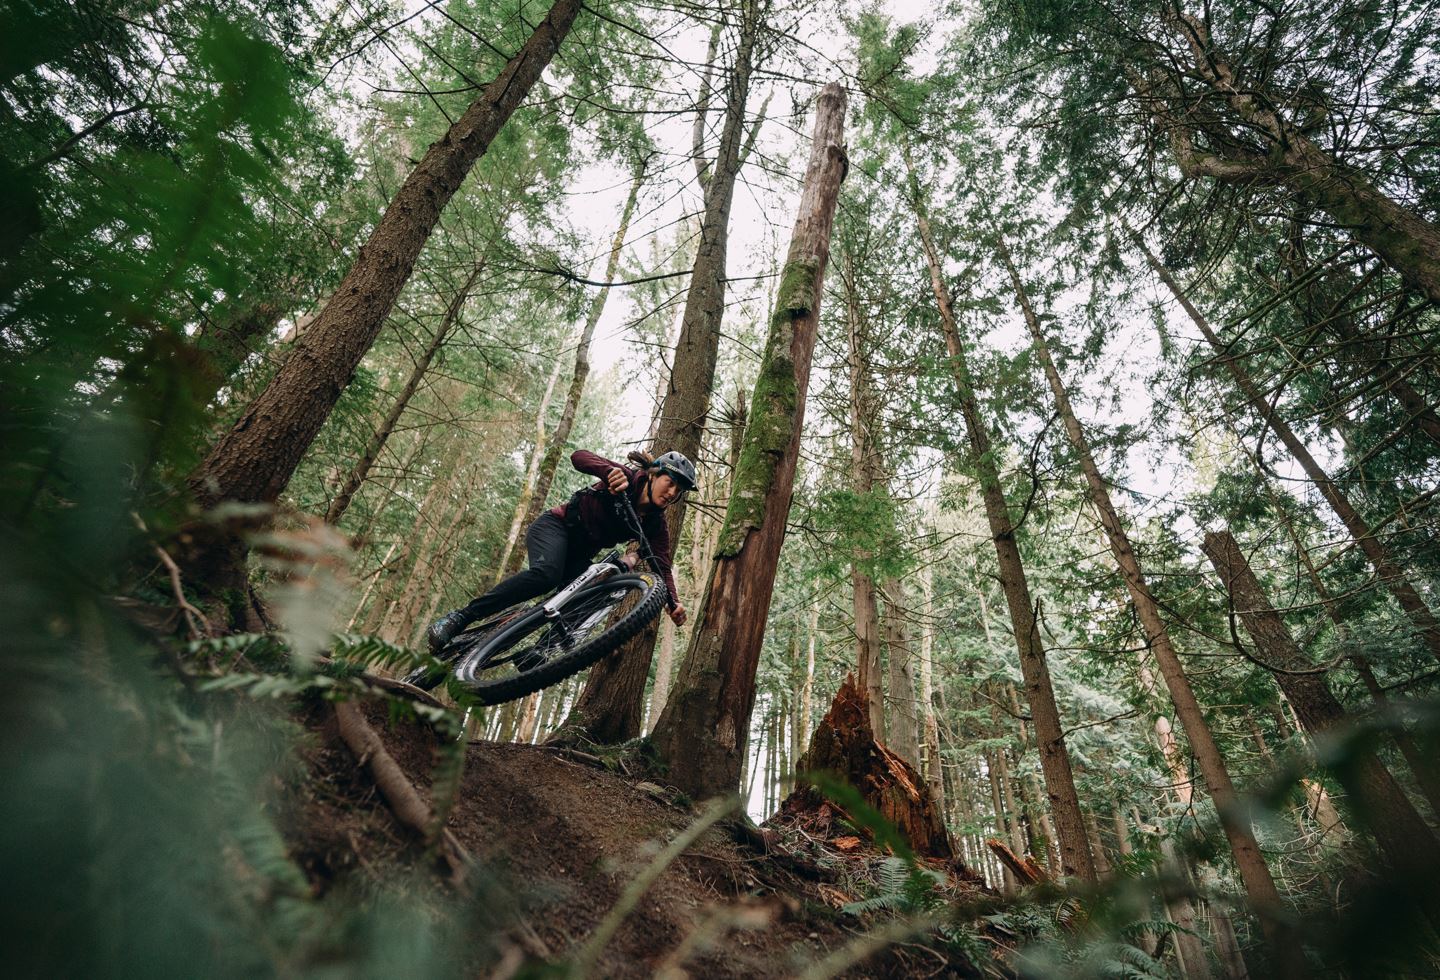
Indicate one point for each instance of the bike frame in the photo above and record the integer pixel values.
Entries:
(610, 564)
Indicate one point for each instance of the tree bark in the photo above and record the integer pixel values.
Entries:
(254, 461)
(903, 730)
(1039, 691)
(1389, 573)
(1254, 872)
(376, 443)
(608, 709)
(867, 474)
(1404, 240)
(701, 734)
(1373, 793)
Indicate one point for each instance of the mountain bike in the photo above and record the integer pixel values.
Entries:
(532, 646)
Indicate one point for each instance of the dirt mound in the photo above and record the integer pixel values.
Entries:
(561, 838)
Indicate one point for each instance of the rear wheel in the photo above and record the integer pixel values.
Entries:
(429, 674)
(533, 650)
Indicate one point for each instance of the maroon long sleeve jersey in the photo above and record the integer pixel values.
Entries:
(604, 528)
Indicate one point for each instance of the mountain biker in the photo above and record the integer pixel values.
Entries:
(563, 540)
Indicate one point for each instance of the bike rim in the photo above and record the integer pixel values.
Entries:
(534, 639)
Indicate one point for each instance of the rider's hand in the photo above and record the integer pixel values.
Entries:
(677, 615)
(617, 480)
(630, 559)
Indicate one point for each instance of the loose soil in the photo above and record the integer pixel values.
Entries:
(557, 838)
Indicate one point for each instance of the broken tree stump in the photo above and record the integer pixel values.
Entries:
(844, 745)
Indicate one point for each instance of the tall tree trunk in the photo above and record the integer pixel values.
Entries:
(1039, 691)
(608, 709)
(440, 528)
(1103, 868)
(1189, 949)
(1389, 573)
(421, 530)
(1002, 824)
(904, 726)
(867, 475)
(927, 691)
(807, 692)
(701, 734)
(664, 671)
(1403, 239)
(370, 585)
(1254, 872)
(540, 491)
(381, 435)
(1423, 769)
(1380, 802)
(254, 461)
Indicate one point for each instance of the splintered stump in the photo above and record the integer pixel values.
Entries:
(844, 745)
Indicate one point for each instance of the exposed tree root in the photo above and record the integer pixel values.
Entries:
(399, 793)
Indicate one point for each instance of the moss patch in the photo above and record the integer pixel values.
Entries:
(772, 410)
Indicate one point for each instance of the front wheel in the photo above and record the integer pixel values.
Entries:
(533, 650)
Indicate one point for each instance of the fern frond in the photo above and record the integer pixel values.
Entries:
(372, 651)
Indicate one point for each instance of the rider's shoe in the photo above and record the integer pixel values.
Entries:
(443, 630)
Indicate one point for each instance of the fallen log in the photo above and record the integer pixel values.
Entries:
(1025, 870)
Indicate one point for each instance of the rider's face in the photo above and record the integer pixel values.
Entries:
(663, 490)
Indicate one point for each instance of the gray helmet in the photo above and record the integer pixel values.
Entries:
(678, 467)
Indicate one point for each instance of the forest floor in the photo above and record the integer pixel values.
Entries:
(557, 837)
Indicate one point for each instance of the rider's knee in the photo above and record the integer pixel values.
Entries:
(550, 575)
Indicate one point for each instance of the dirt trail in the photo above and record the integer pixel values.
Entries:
(561, 839)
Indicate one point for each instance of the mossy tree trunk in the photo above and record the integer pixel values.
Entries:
(701, 734)
(609, 708)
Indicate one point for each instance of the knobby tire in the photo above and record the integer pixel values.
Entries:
(476, 690)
